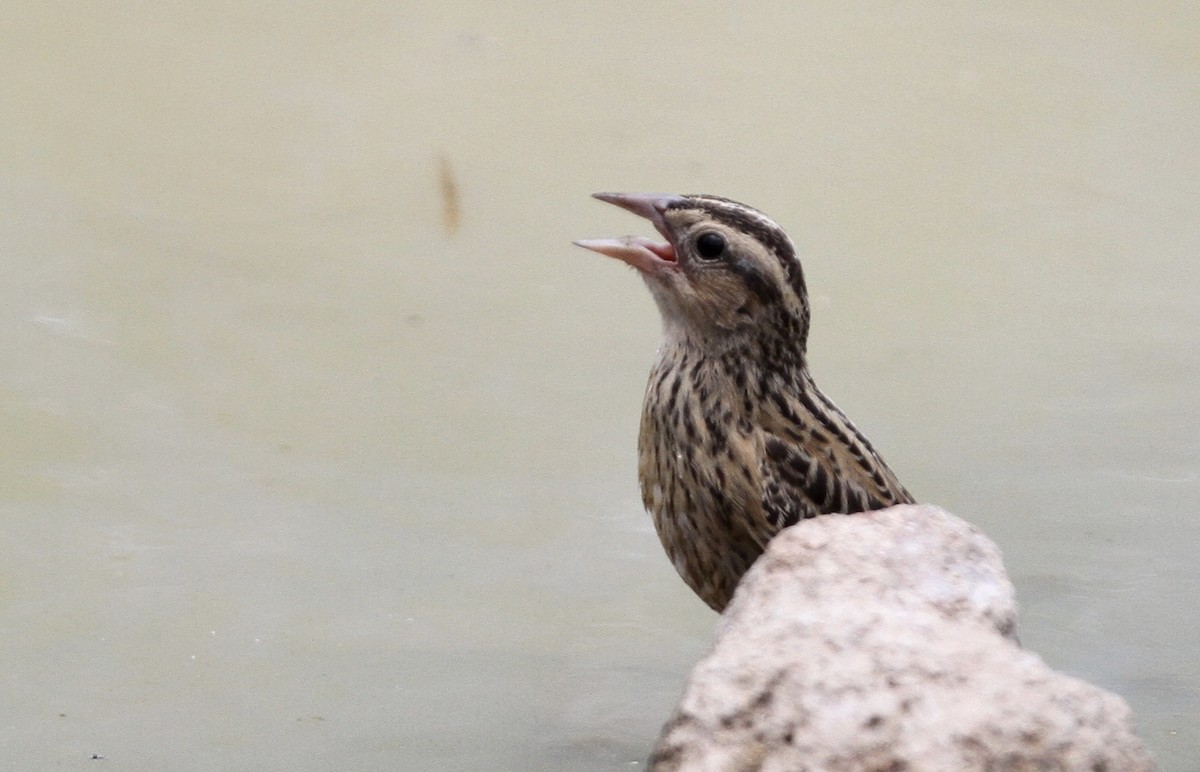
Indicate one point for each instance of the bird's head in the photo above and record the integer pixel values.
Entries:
(727, 272)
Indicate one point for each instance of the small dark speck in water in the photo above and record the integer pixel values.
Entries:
(414, 320)
(451, 206)
(97, 757)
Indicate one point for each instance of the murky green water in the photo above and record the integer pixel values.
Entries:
(310, 468)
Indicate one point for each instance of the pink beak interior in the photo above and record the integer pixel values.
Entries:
(642, 253)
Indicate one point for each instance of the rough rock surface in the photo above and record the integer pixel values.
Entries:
(886, 641)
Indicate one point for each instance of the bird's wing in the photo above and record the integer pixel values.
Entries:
(813, 462)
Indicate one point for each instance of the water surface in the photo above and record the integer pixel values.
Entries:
(321, 435)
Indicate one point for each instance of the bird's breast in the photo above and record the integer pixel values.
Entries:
(698, 476)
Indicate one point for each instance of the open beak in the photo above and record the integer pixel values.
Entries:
(642, 253)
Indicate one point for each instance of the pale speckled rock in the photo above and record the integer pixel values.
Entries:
(886, 641)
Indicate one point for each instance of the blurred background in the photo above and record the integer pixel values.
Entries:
(320, 434)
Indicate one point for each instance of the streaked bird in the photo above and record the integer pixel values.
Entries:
(736, 440)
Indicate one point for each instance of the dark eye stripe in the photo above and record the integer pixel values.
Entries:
(735, 215)
(758, 283)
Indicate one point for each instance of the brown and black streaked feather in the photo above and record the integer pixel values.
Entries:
(736, 441)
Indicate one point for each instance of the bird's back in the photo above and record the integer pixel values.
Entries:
(728, 457)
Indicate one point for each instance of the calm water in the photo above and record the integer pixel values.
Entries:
(321, 435)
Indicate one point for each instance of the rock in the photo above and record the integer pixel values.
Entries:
(886, 641)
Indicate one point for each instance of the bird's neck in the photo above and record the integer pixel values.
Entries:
(729, 379)
(782, 358)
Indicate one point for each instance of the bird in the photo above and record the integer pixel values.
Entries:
(736, 441)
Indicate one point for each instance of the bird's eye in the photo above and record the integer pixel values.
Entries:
(710, 245)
